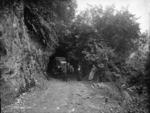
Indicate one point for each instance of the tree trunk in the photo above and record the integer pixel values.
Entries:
(92, 73)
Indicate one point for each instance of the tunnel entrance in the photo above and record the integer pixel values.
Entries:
(52, 64)
(56, 68)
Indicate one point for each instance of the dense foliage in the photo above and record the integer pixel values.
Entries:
(109, 39)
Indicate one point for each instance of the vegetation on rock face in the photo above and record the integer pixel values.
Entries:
(31, 31)
(28, 36)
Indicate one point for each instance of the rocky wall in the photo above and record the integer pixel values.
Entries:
(22, 61)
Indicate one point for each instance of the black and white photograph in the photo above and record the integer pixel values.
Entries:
(75, 56)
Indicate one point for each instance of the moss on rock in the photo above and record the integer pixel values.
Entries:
(22, 60)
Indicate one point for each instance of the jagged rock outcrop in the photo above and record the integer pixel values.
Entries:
(23, 61)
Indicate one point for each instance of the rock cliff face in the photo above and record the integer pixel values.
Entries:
(23, 61)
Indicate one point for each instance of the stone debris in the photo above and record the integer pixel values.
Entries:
(100, 86)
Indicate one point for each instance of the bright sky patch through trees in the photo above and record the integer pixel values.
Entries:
(137, 7)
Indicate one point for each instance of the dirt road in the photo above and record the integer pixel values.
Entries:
(64, 97)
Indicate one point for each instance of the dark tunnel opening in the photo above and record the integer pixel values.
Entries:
(52, 66)
(59, 52)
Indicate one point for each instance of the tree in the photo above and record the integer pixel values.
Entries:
(97, 34)
(118, 29)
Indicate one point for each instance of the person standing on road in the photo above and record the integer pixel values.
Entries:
(79, 73)
(64, 72)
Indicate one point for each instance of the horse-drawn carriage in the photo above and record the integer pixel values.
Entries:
(64, 69)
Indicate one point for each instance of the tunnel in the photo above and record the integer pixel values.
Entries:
(59, 52)
(51, 67)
